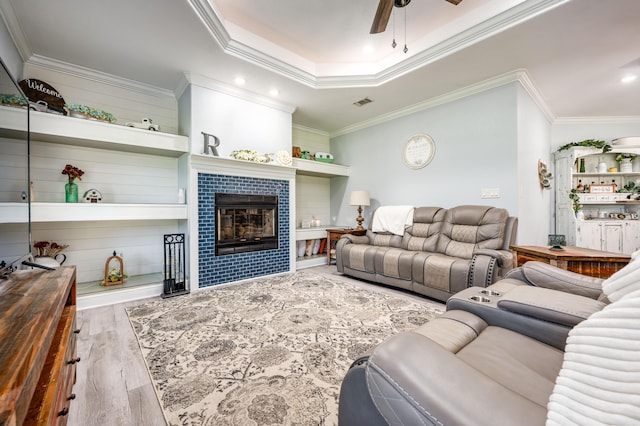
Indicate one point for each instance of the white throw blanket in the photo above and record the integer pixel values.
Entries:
(392, 219)
(599, 382)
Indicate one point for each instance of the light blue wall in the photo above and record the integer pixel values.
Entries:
(535, 204)
(9, 54)
(476, 147)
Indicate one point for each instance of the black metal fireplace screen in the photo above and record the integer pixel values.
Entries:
(245, 222)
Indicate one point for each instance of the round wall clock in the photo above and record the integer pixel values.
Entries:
(418, 151)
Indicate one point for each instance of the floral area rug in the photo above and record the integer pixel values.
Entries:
(271, 351)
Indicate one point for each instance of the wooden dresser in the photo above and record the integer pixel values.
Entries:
(37, 346)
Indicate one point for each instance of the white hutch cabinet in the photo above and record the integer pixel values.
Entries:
(610, 218)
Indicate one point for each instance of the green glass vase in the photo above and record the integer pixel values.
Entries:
(71, 192)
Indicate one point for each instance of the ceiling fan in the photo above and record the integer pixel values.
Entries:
(384, 12)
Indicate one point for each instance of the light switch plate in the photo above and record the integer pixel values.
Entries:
(490, 193)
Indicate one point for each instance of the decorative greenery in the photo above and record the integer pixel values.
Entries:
(588, 143)
(630, 187)
(72, 172)
(91, 112)
(251, 155)
(575, 200)
(15, 100)
(114, 276)
(49, 249)
(621, 157)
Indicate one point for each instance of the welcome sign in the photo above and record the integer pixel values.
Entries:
(42, 96)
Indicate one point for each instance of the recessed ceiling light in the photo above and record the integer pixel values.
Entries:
(239, 81)
(274, 92)
(628, 78)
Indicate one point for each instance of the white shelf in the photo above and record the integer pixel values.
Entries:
(614, 174)
(313, 233)
(78, 212)
(319, 169)
(13, 212)
(60, 129)
(311, 261)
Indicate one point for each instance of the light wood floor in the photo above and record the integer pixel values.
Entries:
(113, 386)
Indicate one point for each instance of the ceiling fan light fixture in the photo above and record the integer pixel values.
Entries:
(363, 101)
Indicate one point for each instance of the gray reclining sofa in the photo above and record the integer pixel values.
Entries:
(501, 356)
(443, 252)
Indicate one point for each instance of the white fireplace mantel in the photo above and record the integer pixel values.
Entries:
(232, 167)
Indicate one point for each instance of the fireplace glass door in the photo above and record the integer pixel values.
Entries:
(245, 223)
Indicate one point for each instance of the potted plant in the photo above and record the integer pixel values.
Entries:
(83, 111)
(575, 201)
(625, 162)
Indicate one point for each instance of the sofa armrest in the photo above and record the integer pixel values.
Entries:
(542, 274)
(488, 265)
(549, 305)
(409, 392)
(503, 257)
(355, 239)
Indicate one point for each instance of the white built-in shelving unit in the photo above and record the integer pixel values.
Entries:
(610, 218)
(321, 170)
(138, 172)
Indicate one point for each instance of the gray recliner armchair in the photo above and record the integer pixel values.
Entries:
(466, 368)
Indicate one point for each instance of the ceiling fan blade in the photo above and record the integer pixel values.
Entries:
(456, 2)
(382, 16)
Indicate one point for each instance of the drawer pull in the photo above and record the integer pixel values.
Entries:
(77, 331)
(73, 361)
(63, 412)
(72, 396)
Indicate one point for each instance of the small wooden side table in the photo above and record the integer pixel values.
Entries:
(595, 263)
(333, 235)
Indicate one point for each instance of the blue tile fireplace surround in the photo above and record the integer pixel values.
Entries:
(214, 269)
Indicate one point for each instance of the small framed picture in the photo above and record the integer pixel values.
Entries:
(600, 189)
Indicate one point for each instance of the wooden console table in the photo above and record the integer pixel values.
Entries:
(37, 346)
(333, 235)
(595, 263)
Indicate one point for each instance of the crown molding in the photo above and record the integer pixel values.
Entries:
(97, 76)
(532, 90)
(17, 35)
(208, 83)
(627, 119)
(310, 130)
(384, 73)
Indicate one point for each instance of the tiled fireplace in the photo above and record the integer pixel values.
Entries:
(222, 266)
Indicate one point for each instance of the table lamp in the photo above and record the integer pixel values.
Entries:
(360, 198)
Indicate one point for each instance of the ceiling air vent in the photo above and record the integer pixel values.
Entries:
(363, 102)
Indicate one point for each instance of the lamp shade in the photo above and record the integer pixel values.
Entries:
(359, 198)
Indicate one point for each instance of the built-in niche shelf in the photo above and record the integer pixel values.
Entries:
(91, 294)
(83, 212)
(319, 169)
(54, 128)
(79, 212)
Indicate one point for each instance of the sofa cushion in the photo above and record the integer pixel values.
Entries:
(439, 271)
(423, 234)
(517, 362)
(393, 262)
(467, 228)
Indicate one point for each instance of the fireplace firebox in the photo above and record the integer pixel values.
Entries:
(245, 223)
